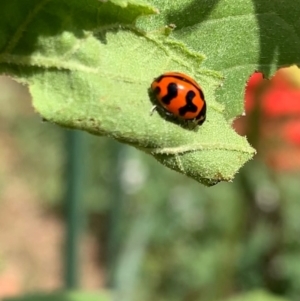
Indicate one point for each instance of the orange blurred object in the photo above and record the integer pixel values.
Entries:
(272, 119)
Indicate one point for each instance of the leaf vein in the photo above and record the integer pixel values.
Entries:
(203, 147)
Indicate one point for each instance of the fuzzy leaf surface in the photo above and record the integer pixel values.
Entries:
(87, 67)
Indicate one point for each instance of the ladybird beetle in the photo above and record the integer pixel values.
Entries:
(180, 96)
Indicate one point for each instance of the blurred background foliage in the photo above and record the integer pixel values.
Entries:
(159, 235)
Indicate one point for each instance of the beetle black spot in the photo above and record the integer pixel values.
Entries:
(172, 93)
(189, 107)
(157, 90)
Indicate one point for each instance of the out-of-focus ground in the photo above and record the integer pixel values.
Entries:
(31, 236)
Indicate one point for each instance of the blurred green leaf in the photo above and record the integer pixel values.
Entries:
(259, 295)
(64, 296)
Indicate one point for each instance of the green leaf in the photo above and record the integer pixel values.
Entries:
(87, 67)
(125, 3)
(258, 295)
(64, 296)
(237, 37)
